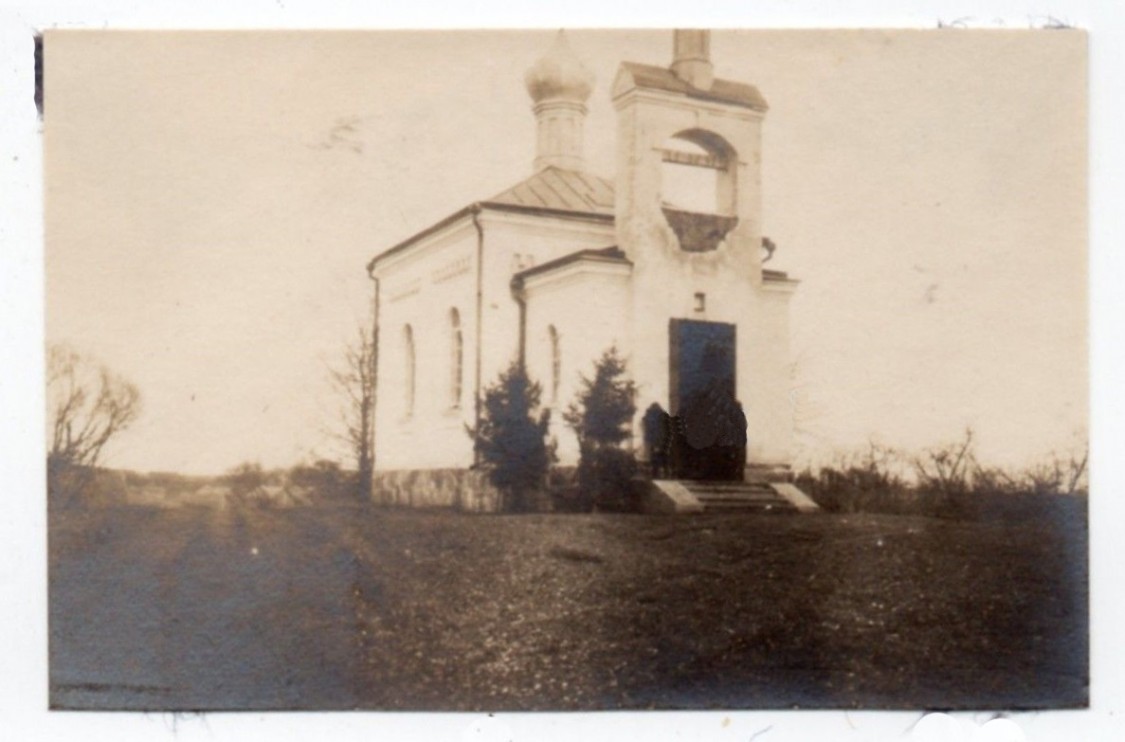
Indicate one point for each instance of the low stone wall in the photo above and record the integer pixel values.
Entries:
(460, 489)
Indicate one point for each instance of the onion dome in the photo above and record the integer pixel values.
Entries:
(559, 74)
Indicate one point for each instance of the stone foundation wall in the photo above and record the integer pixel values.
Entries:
(461, 489)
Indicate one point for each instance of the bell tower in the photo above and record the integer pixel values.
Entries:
(681, 123)
(689, 217)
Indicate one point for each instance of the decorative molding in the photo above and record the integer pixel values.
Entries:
(452, 269)
(575, 273)
(407, 289)
(690, 106)
(712, 162)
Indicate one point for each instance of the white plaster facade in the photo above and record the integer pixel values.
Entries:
(421, 424)
(595, 264)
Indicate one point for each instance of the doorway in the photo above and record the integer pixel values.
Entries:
(709, 425)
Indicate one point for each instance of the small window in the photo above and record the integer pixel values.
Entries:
(700, 302)
(408, 369)
(556, 363)
(457, 358)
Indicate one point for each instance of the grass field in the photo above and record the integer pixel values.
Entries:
(394, 609)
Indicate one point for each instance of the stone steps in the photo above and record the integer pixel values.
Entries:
(738, 496)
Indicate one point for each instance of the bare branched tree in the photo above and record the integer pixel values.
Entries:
(353, 380)
(87, 406)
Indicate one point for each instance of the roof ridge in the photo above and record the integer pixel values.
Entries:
(597, 205)
(611, 254)
(722, 90)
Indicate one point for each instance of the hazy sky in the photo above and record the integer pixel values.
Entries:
(212, 199)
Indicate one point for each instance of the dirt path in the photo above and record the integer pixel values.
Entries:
(202, 609)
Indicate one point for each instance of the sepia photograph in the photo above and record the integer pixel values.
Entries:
(566, 370)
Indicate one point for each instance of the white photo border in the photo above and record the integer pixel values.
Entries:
(23, 624)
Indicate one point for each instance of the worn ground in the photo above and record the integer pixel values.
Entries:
(312, 608)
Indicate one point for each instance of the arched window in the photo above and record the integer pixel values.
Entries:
(409, 369)
(556, 363)
(457, 358)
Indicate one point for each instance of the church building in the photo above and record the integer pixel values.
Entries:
(664, 261)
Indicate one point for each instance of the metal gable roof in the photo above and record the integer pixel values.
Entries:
(560, 190)
(551, 191)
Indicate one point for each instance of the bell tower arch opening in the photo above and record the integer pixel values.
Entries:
(699, 192)
(697, 173)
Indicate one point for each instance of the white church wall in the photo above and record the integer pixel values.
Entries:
(763, 383)
(761, 318)
(420, 288)
(766, 381)
(514, 242)
(587, 305)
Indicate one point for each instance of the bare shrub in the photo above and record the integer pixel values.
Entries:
(947, 481)
(947, 468)
(945, 477)
(246, 483)
(995, 480)
(326, 482)
(1059, 474)
(867, 480)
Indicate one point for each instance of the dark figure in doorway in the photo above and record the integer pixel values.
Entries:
(657, 426)
(679, 458)
(714, 436)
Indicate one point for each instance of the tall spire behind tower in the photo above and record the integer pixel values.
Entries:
(559, 86)
(691, 58)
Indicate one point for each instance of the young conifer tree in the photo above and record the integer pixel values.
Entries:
(511, 439)
(602, 417)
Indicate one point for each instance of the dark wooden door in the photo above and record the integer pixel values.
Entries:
(702, 360)
(709, 439)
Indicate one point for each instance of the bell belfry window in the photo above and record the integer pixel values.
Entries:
(698, 189)
(690, 177)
